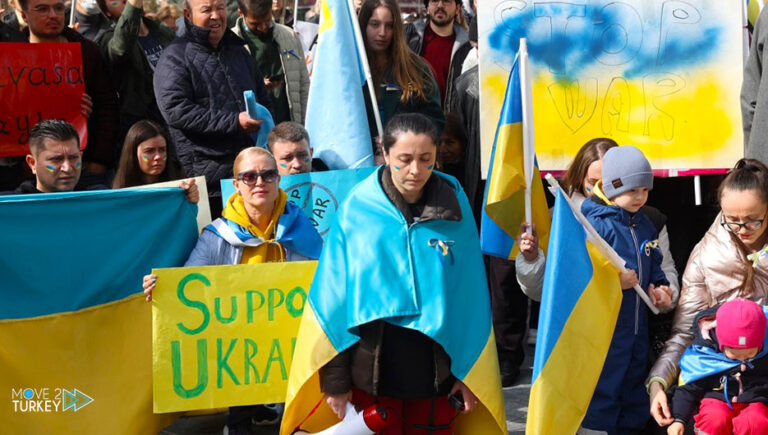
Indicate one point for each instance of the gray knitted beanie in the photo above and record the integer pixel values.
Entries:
(625, 168)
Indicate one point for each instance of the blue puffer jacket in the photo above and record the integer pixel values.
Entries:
(199, 91)
(632, 236)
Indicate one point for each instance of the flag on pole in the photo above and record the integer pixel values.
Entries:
(336, 117)
(579, 307)
(512, 170)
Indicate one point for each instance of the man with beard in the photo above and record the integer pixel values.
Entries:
(436, 38)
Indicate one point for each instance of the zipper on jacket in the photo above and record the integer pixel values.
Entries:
(639, 274)
(239, 98)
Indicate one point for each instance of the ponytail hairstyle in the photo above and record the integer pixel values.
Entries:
(748, 174)
(403, 123)
(590, 152)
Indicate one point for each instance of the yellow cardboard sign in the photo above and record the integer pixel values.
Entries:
(224, 335)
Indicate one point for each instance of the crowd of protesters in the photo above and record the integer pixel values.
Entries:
(164, 101)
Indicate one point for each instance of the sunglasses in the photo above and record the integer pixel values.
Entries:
(251, 177)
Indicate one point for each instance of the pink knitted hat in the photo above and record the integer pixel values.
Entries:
(740, 324)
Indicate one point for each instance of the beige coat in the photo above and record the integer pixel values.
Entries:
(713, 276)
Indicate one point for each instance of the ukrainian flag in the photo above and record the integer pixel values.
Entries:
(504, 197)
(353, 285)
(753, 10)
(72, 328)
(336, 117)
(579, 308)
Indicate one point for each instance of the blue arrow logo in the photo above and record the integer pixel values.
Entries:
(74, 399)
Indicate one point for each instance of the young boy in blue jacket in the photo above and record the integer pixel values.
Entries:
(620, 403)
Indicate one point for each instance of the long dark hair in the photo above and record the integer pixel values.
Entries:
(747, 174)
(407, 68)
(592, 151)
(129, 172)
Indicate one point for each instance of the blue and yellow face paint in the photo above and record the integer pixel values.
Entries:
(79, 165)
(145, 158)
(50, 169)
(396, 168)
(430, 167)
(283, 165)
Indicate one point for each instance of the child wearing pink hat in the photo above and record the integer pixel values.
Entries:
(724, 376)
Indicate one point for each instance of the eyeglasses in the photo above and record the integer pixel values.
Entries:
(251, 177)
(735, 227)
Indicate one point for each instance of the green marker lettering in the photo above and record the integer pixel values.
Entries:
(202, 369)
(193, 304)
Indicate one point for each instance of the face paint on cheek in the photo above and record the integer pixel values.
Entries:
(588, 189)
(283, 165)
(50, 168)
(165, 157)
(396, 168)
(145, 158)
(79, 165)
(429, 168)
(307, 160)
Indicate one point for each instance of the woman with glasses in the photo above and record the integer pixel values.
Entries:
(258, 225)
(730, 261)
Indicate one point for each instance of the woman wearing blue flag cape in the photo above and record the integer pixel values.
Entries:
(258, 225)
(400, 301)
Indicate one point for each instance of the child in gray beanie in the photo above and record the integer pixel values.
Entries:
(620, 403)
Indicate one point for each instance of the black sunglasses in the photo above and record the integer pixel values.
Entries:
(251, 177)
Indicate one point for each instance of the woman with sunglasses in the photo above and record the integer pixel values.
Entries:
(400, 291)
(258, 225)
(730, 261)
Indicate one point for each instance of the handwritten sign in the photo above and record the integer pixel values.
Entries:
(319, 194)
(662, 75)
(224, 335)
(38, 81)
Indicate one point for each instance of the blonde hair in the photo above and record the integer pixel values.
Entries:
(168, 11)
(260, 152)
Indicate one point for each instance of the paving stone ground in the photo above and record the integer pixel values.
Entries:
(515, 398)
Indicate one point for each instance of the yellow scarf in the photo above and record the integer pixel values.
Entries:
(268, 252)
(598, 190)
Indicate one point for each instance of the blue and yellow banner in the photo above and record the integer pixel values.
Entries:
(336, 117)
(76, 338)
(579, 308)
(504, 199)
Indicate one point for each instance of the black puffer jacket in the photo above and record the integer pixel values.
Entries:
(199, 91)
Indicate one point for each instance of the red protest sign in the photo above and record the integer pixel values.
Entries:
(39, 81)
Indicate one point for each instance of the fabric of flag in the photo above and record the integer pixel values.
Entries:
(353, 285)
(72, 265)
(579, 308)
(753, 10)
(336, 116)
(504, 198)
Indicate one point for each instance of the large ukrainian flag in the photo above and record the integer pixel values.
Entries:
(504, 199)
(336, 117)
(579, 306)
(354, 284)
(71, 265)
